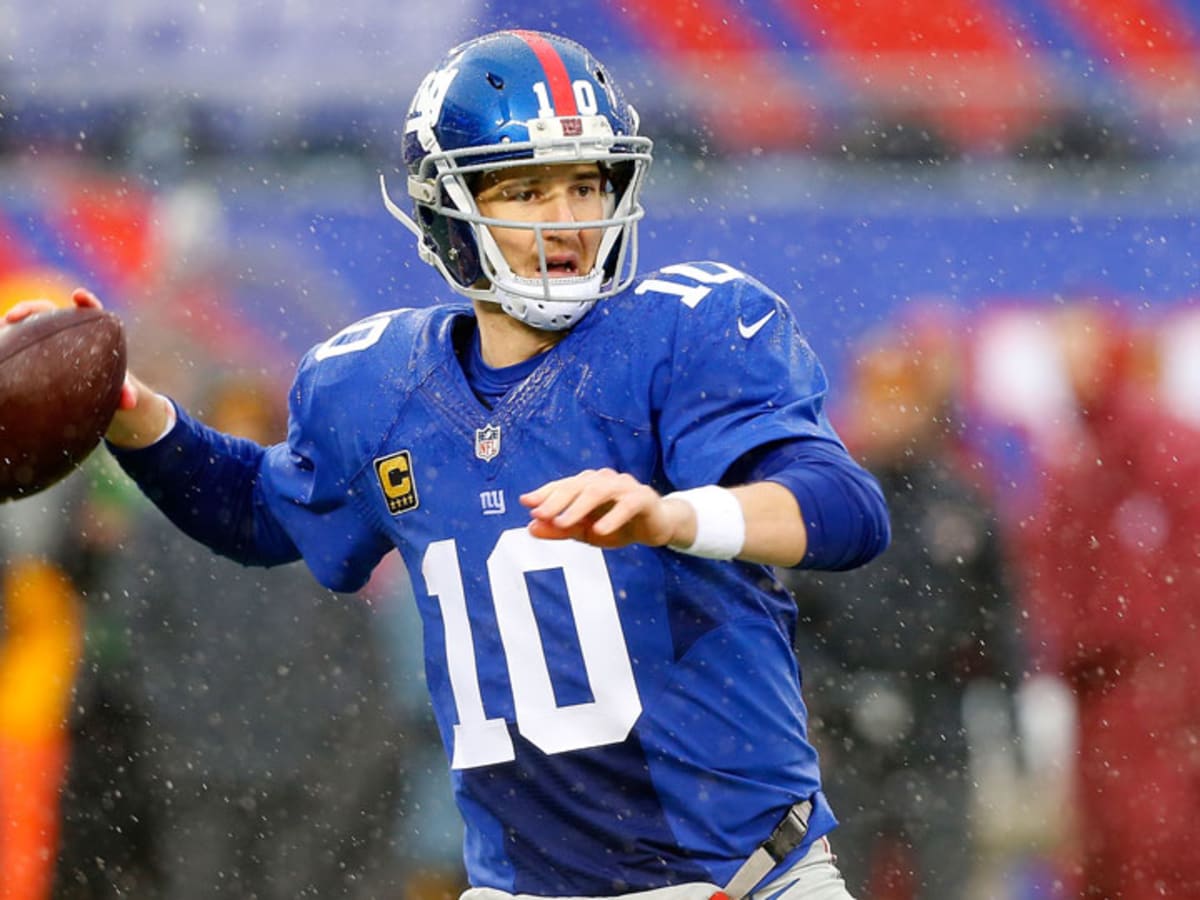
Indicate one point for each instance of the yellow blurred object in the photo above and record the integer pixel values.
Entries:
(40, 650)
(34, 284)
(39, 654)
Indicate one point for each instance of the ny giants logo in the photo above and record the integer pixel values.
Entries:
(491, 503)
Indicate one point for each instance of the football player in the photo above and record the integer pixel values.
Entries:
(588, 475)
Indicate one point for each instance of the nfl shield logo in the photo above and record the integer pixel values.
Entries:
(487, 442)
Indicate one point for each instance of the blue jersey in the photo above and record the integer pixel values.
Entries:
(615, 720)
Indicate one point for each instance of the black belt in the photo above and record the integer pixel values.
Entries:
(787, 836)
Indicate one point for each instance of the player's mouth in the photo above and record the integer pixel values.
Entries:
(562, 266)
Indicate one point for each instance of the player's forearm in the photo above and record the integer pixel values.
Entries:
(205, 483)
(758, 522)
(775, 532)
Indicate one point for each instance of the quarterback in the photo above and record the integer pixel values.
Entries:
(588, 474)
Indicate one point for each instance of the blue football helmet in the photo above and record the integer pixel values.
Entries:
(508, 99)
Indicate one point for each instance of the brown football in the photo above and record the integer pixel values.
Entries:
(60, 384)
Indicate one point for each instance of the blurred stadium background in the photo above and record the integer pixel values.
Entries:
(210, 169)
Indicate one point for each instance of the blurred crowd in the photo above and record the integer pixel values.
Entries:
(1005, 698)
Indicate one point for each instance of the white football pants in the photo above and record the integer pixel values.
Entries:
(814, 877)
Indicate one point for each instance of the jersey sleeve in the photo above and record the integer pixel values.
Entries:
(206, 484)
(297, 499)
(307, 483)
(740, 375)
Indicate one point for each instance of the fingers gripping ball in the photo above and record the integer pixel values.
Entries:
(60, 384)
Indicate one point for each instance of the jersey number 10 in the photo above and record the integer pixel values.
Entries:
(607, 719)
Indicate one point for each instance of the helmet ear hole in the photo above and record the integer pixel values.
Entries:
(454, 242)
(465, 251)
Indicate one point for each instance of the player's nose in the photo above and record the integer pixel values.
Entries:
(562, 209)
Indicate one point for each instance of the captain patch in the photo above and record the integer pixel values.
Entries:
(395, 475)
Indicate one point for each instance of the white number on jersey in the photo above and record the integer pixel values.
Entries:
(607, 719)
(360, 336)
(690, 294)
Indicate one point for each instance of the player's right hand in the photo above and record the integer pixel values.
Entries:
(83, 299)
(142, 415)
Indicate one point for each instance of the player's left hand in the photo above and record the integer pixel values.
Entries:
(604, 508)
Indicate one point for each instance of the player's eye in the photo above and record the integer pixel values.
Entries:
(587, 188)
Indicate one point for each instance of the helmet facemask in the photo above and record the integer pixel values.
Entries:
(456, 236)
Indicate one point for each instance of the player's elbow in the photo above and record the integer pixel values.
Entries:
(847, 521)
(876, 529)
(873, 532)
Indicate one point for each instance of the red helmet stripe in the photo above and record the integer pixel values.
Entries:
(557, 79)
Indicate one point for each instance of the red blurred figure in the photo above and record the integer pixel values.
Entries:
(1114, 554)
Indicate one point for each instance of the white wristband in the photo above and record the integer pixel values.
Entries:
(720, 523)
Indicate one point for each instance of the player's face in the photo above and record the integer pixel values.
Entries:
(546, 193)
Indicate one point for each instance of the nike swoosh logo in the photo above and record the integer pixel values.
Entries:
(749, 331)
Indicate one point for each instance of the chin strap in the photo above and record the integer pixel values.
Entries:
(569, 300)
(547, 304)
